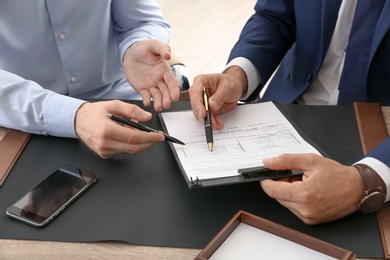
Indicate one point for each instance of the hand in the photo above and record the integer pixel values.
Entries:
(327, 190)
(106, 137)
(224, 92)
(146, 67)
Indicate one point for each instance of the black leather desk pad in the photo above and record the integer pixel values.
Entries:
(143, 199)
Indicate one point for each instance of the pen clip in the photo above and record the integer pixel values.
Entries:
(207, 121)
(205, 99)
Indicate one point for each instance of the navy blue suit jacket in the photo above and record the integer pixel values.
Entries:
(296, 34)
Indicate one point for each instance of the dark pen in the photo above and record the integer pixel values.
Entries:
(145, 128)
(207, 121)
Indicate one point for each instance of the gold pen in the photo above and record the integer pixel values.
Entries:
(207, 121)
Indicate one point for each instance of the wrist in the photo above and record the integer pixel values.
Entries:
(241, 76)
(77, 118)
(374, 189)
(127, 50)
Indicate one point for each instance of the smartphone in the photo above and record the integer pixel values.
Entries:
(40, 205)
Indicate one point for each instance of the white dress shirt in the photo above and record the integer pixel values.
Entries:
(53, 54)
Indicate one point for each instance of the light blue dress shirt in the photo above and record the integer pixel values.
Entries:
(55, 53)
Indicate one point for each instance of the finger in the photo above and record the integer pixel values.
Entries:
(225, 108)
(222, 95)
(157, 97)
(128, 110)
(164, 92)
(118, 147)
(285, 179)
(291, 161)
(280, 190)
(167, 94)
(126, 135)
(216, 122)
(173, 88)
(165, 51)
(283, 195)
(146, 97)
(196, 98)
(159, 48)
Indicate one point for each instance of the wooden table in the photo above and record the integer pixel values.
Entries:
(25, 249)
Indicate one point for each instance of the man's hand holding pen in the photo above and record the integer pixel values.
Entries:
(224, 91)
(105, 136)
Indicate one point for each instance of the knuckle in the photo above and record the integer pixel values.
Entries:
(309, 221)
(132, 109)
(133, 150)
(198, 78)
(115, 103)
(102, 152)
(101, 146)
(270, 191)
(308, 212)
(105, 155)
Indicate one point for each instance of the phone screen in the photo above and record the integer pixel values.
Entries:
(40, 205)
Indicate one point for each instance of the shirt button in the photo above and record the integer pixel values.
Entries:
(73, 79)
(62, 36)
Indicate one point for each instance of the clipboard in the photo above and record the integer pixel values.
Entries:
(194, 183)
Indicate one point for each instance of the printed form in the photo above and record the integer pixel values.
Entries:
(251, 132)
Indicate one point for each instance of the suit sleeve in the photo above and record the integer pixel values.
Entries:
(381, 152)
(267, 36)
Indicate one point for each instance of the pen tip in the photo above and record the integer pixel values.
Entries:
(210, 146)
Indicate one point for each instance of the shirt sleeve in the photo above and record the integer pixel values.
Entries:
(138, 20)
(382, 169)
(28, 107)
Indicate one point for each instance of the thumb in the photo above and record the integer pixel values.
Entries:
(303, 162)
(161, 49)
(165, 52)
(129, 110)
(139, 114)
(217, 100)
(285, 161)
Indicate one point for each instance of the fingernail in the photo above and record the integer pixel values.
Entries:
(267, 160)
(145, 115)
(199, 114)
(213, 103)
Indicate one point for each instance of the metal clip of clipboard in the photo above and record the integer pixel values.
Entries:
(262, 172)
(196, 182)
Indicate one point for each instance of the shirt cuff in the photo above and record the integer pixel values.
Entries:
(382, 169)
(252, 74)
(59, 115)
